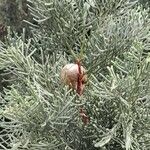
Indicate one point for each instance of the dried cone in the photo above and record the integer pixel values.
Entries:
(70, 74)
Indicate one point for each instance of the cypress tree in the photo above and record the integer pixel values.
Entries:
(110, 38)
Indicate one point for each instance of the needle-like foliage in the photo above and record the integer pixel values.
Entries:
(112, 39)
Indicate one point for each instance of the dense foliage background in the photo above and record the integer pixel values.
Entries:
(112, 37)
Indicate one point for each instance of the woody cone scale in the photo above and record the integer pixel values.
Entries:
(70, 76)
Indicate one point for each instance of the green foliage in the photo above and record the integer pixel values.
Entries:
(145, 3)
(13, 12)
(112, 39)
